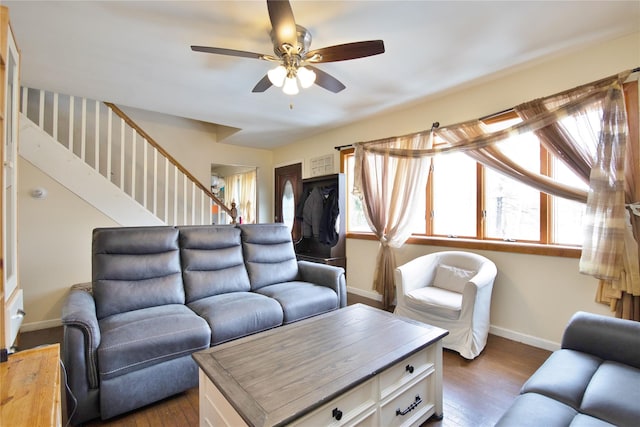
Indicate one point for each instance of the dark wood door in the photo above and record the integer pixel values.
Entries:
(288, 190)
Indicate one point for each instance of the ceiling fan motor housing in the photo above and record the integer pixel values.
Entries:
(304, 41)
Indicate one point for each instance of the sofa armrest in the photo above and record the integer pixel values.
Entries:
(606, 337)
(325, 275)
(81, 335)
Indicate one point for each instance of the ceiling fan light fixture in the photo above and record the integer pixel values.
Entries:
(277, 75)
(290, 86)
(306, 76)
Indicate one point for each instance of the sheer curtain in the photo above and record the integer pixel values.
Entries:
(389, 186)
(241, 189)
(586, 127)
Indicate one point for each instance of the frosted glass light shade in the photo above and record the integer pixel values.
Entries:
(306, 76)
(277, 75)
(290, 86)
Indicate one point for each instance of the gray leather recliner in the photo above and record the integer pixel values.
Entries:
(158, 294)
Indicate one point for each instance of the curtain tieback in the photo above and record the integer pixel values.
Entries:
(634, 207)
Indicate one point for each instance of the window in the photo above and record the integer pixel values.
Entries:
(356, 220)
(467, 201)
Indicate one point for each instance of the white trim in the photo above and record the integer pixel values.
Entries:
(36, 326)
(524, 338)
(367, 294)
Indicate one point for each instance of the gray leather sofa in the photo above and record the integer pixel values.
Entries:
(158, 294)
(593, 380)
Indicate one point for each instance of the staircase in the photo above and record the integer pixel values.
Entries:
(102, 156)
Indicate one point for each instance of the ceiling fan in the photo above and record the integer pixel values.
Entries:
(291, 47)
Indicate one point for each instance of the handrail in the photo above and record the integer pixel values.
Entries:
(173, 161)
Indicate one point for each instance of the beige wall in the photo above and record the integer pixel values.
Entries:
(534, 296)
(54, 244)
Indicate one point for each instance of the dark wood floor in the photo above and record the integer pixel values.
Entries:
(476, 393)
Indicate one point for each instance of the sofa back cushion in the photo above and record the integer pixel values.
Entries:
(268, 254)
(212, 261)
(134, 268)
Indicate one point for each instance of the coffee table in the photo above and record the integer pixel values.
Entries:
(357, 365)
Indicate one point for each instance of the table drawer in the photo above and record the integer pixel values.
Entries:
(403, 372)
(343, 409)
(413, 405)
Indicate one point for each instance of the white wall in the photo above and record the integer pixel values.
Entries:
(534, 296)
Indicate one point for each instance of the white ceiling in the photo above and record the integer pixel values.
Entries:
(137, 54)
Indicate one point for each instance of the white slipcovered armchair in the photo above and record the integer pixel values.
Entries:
(451, 290)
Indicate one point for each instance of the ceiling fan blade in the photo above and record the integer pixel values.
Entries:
(229, 52)
(263, 84)
(326, 81)
(343, 52)
(283, 23)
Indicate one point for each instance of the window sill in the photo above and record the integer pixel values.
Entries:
(490, 245)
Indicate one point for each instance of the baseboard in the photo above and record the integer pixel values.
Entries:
(366, 294)
(524, 338)
(36, 326)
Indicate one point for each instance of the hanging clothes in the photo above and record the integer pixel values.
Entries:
(330, 212)
(319, 215)
(312, 214)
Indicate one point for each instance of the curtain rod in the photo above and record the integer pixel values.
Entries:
(436, 125)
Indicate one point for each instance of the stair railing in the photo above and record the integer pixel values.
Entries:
(110, 145)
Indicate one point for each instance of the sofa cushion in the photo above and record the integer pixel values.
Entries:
(536, 410)
(437, 301)
(300, 300)
(452, 278)
(137, 339)
(268, 254)
(613, 394)
(134, 268)
(237, 314)
(212, 261)
(582, 420)
(564, 376)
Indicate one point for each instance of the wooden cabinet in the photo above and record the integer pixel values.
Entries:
(322, 207)
(30, 394)
(11, 309)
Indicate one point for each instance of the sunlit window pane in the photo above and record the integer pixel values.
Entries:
(567, 214)
(512, 208)
(419, 219)
(355, 211)
(454, 195)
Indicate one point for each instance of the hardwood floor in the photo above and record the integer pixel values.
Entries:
(476, 393)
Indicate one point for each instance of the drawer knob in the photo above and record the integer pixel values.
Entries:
(409, 369)
(410, 408)
(337, 414)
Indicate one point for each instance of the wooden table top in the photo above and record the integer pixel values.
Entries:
(30, 388)
(276, 376)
